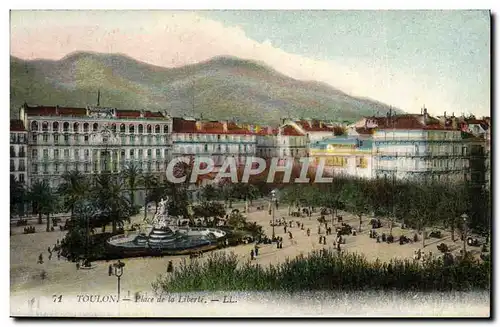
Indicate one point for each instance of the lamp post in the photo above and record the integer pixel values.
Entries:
(273, 204)
(464, 217)
(116, 269)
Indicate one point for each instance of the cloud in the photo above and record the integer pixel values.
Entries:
(173, 39)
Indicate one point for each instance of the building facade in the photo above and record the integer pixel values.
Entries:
(93, 140)
(18, 151)
(215, 139)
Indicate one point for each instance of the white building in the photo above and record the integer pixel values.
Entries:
(18, 151)
(94, 139)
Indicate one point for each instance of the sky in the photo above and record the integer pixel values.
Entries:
(440, 59)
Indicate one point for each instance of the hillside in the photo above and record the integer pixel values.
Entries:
(221, 88)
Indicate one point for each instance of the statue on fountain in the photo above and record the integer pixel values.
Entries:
(160, 220)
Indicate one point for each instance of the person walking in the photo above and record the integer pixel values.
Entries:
(308, 232)
(256, 250)
(40, 258)
(252, 254)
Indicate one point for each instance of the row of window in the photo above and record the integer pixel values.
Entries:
(91, 168)
(67, 139)
(20, 166)
(20, 177)
(86, 127)
(19, 138)
(19, 153)
(188, 149)
(75, 153)
(212, 137)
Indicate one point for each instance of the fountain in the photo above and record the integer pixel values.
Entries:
(165, 236)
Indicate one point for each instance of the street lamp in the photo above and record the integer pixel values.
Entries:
(273, 204)
(116, 269)
(464, 217)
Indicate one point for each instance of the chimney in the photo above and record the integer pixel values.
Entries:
(426, 116)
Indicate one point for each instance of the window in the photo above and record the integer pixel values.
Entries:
(75, 127)
(22, 166)
(165, 129)
(86, 153)
(34, 153)
(86, 138)
(21, 178)
(218, 148)
(149, 153)
(141, 129)
(56, 139)
(157, 129)
(12, 137)
(131, 129)
(158, 151)
(66, 127)
(76, 154)
(56, 154)
(12, 151)
(122, 128)
(34, 138)
(86, 167)
(55, 126)
(113, 128)
(34, 168)
(86, 127)
(66, 153)
(205, 147)
(190, 136)
(141, 154)
(34, 126)
(218, 137)
(95, 127)
(66, 138)
(45, 154)
(45, 137)
(56, 167)
(131, 153)
(21, 151)
(149, 130)
(12, 165)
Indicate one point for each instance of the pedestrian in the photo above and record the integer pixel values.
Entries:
(256, 250)
(308, 232)
(50, 255)
(290, 224)
(319, 230)
(302, 226)
(290, 235)
(320, 239)
(40, 258)
(49, 250)
(77, 265)
(58, 255)
(285, 228)
(324, 240)
(252, 254)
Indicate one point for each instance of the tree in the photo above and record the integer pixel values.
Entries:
(454, 202)
(208, 210)
(383, 197)
(291, 196)
(236, 220)
(149, 183)
(42, 200)
(424, 201)
(73, 188)
(354, 196)
(110, 199)
(18, 197)
(131, 175)
(209, 193)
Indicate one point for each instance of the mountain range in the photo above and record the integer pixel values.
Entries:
(220, 88)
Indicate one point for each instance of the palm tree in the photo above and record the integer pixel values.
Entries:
(42, 199)
(17, 196)
(110, 198)
(73, 188)
(149, 183)
(132, 175)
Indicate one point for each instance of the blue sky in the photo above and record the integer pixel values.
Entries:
(449, 47)
(440, 59)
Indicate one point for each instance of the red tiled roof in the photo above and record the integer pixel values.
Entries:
(268, 131)
(55, 111)
(290, 131)
(314, 126)
(410, 121)
(128, 113)
(150, 114)
(181, 125)
(17, 125)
